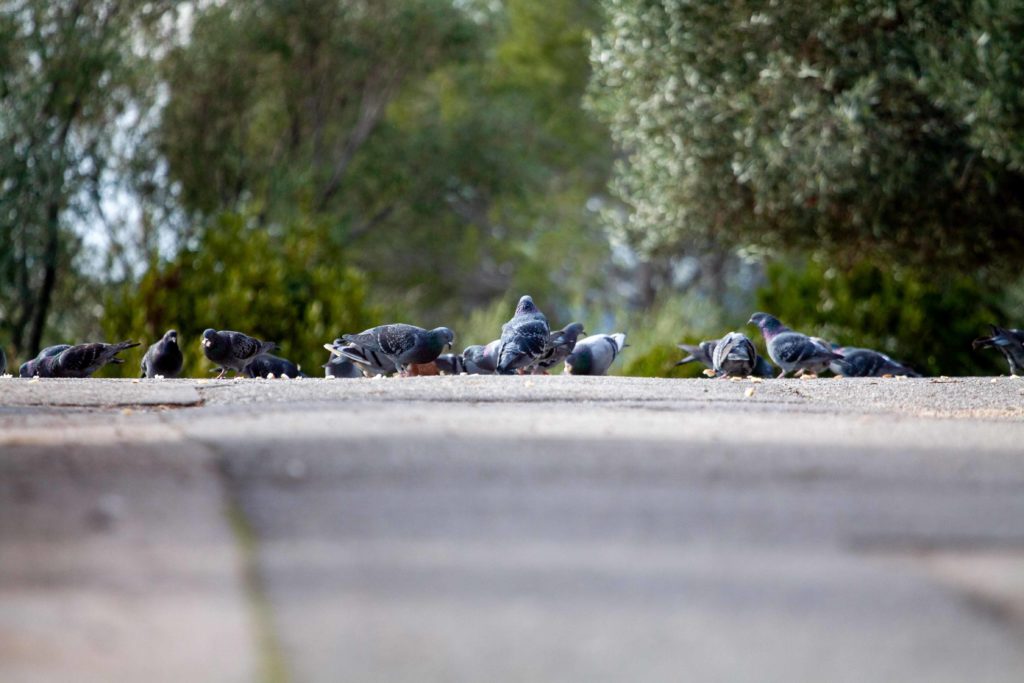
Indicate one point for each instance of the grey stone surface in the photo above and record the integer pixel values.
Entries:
(550, 528)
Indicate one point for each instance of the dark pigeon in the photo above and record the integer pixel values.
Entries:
(81, 360)
(524, 338)
(402, 344)
(30, 368)
(340, 367)
(701, 353)
(450, 364)
(265, 365)
(734, 356)
(1009, 342)
(560, 345)
(482, 360)
(856, 362)
(232, 350)
(792, 351)
(593, 355)
(164, 358)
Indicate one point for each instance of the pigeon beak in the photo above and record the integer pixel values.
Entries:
(206, 342)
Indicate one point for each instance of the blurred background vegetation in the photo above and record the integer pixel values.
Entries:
(299, 169)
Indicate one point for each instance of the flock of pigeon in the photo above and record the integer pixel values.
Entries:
(527, 346)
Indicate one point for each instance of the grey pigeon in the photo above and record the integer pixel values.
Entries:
(265, 365)
(482, 360)
(369, 363)
(81, 360)
(232, 350)
(791, 350)
(593, 355)
(163, 358)
(734, 356)
(524, 338)
(450, 364)
(402, 344)
(30, 368)
(1009, 342)
(701, 353)
(856, 362)
(560, 345)
(340, 367)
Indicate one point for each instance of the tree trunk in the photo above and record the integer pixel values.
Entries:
(50, 256)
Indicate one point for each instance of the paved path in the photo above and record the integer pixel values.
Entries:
(509, 529)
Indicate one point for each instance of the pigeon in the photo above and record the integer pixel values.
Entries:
(266, 365)
(81, 360)
(560, 345)
(791, 350)
(163, 358)
(29, 368)
(340, 367)
(232, 350)
(482, 360)
(734, 356)
(1009, 342)
(369, 363)
(856, 362)
(402, 344)
(701, 353)
(593, 355)
(524, 338)
(450, 364)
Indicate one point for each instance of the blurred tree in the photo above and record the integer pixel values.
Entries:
(67, 71)
(890, 128)
(444, 152)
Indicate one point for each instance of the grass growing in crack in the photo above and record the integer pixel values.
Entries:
(271, 664)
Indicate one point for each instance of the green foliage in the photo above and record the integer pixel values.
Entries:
(283, 287)
(904, 312)
(882, 127)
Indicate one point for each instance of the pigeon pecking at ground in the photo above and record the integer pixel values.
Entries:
(402, 344)
(701, 353)
(370, 363)
(524, 338)
(560, 345)
(340, 367)
(734, 356)
(29, 368)
(856, 362)
(1009, 342)
(269, 366)
(593, 355)
(482, 360)
(163, 359)
(81, 360)
(450, 364)
(232, 350)
(791, 350)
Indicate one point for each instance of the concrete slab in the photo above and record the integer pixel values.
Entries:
(117, 562)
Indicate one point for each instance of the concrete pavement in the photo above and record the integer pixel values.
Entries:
(551, 528)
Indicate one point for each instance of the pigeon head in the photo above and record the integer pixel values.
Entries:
(573, 331)
(27, 369)
(171, 336)
(579, 362)
(768, 324)
(443, 335)
(209, 337)
(526, 305)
